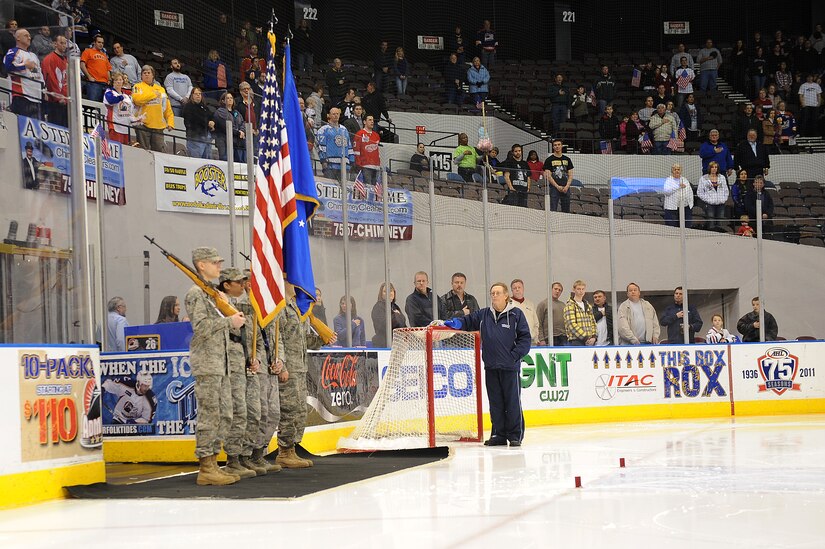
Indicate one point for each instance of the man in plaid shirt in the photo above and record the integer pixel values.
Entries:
(579, 321)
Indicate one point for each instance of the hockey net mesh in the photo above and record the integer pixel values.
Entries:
(398, 415)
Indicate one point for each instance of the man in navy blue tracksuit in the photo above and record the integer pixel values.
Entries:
(505, 339)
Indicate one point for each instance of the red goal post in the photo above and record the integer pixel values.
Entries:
(430, 393)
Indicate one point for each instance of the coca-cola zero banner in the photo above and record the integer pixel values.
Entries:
(340, 385)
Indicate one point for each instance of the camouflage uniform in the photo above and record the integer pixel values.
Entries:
(253, 385)
(270, 394)
(297, 336)
(210, 366)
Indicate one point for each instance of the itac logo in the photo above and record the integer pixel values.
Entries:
(778, 368)
(608, 386)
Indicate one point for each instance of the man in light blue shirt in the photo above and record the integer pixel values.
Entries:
(115, 339)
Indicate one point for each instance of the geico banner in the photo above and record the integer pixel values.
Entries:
(583, 377)
(340, 385)
(148, 394)
(777, 371)
(197, 185)
(59, 402)
(365, 215)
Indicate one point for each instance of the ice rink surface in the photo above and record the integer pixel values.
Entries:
(744, 482)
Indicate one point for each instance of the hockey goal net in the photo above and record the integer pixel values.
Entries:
(430, 393)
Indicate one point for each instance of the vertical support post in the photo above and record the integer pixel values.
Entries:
(387, 285)
(147, 319)
(101, 276)
(433, 261)
(345, 229)
(548, 254)
(230, 176)
(760, 267)
(485, 214)
(430, 389)
(251, 175)
(683, 238)
(614, 298)
(479, 383)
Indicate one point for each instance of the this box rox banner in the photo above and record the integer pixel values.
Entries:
(46, 161)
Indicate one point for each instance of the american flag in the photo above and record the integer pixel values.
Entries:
(104, 143)
(275, 204)
(591, 98)
(359, 190)
(684, 79)
(379, 190)
(636, 79)
(645, 142)
(606, 147)
(673, 142)
(682, 134)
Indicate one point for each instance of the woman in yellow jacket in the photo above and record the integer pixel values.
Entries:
(151, 101)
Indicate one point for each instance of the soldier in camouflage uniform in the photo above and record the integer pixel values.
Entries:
(297, 336)
(270, 392)
(210, 365)
(241, 375)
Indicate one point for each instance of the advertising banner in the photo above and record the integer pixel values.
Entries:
(148, 394)
(197, 185)
(365, 215)
(169, 19)
(775, 371)
(340, 385)
(60, 403)
(46, 155)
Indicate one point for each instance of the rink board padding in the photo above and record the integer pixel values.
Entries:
(328, 472)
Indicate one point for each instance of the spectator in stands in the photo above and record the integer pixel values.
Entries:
(319, 310)
(665, 78)
(355, 123)
(56, 76)
(317, 96)
(771, 132)
(379, 317)
(748, 325)
(516, 177)
(228, 116)
(120, 111)
(153, 105)
(367, 153)
(676, 59)
(648, 77)
(752, 195)
(787, 123)
(684, 76)
(638, 323)
(559, 333)
(761, 100)
(691, 117)
(252, 33)
(457, 302)
(633, 130)
(487, 43)
(718, 333)
(169, 310)
(744, 122)
(783, 79)
(478, 77)
(710, 59)
(673, 317)
(334, 146)
(609, 127)
(737, 193)
(774, 58)
(752, 156)
(466, 157)
(579, 322)
(374, 104)
(116, 324)
(197, 118)
(178, 87)
(603, 315)
(338, 81)
(678, 194)
(604, 89)
(739, 67)
(527, 307)
(127, 64)
(252, 63)
(419, 304)
(382, 65)
(817, 38)
(419, 161)
(95, 65)
(250, 109)
(647, 111)
(714, 150)
(72, 49)
(663, 126)
(216, 76)
(82, 22)
(309, 126)
(339, 324)
(457, 44)
(558, 172)
(302, 47)
(347, 104)
(23, 68)
(560, 102)
(536, 167)
(579, 110)
(713, 191)
(661, 95)
(758, 69)
(42, 44)
(810, 99)
(454, 74)
(401, 69)
(7, 37)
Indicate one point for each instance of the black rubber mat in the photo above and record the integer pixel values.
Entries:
(328, 472)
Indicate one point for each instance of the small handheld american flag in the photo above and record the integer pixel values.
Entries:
(684, 79)
(606, 147)
(645, 142)
(636, 79)
(359, 186)
(104, 143)
(379, 190)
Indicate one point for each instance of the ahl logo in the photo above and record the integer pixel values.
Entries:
(778, 368)
(210, 178)
(608, 386)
